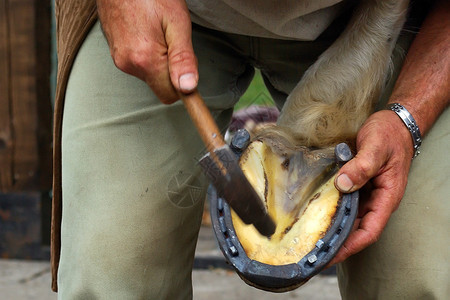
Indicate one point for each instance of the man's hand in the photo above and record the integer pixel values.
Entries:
(384, 144)
(384, 152)
(151, 39)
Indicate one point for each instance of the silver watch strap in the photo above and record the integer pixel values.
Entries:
(410, 123)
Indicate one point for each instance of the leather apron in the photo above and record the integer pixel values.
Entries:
(74, 19)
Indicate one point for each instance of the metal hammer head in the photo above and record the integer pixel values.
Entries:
(231, 184)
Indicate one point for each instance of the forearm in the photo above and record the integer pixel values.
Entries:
(423, 86)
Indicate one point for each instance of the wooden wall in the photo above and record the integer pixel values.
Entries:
(25, 106)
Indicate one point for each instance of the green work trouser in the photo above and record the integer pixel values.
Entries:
(133, 195)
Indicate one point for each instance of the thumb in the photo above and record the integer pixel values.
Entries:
(182, 61)
(358, 171)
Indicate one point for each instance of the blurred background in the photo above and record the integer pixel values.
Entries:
(27, 79)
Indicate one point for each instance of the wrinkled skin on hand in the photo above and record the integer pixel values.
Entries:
(382, 162)
(151, 39)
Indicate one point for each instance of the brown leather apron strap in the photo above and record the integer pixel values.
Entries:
(74, 19)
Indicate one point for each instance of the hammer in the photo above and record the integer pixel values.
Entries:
(221, 167)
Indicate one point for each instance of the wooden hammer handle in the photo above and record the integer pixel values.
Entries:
(203, 120)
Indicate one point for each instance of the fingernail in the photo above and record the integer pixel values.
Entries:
(187, 82)
(344, 183)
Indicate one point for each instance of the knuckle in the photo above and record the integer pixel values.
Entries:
(346, 251)
(397, 199)
(120, 58)
(167, 97)
(165, 92)
(365, 168)
(137, 59)
(372, 237)
(182, 57)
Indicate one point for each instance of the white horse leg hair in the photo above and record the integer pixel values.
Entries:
(339, 91)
